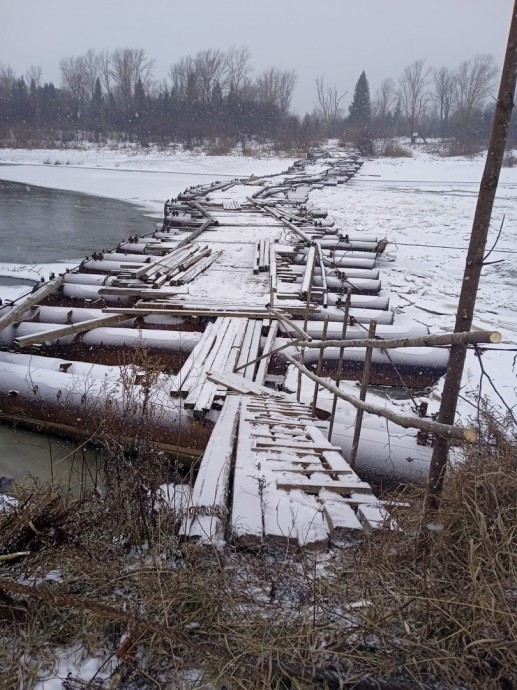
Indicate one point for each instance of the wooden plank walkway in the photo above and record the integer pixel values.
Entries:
(290, 483)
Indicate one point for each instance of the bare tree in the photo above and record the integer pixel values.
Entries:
(328, 103)
(444, 95)
(181, 74)
(384, 103)
(275, 86)
(287, 83)
(238, 67)
(474, 81)
(73, 80)
(413, 91)
(91, 66)
(104, 68)
(129, 66)
(34, 73)
(385, 98)
(211, 68)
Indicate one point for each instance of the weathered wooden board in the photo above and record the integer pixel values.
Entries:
(207, 512)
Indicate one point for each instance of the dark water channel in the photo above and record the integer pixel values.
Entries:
(40, 225)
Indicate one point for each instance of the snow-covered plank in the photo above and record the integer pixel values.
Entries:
(195, 378)
(231, 205)
(247, 525)
(343, 486)
(249, 371)
(198, 354)
(208, 510)
(239, 384)
(205, 397)
(268, 346)
(373, 516)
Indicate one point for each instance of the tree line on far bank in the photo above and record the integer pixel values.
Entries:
(213, 97)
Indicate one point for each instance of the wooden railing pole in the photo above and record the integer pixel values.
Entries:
(362, 395)
(305, 322)
(340, 360)
(320, 366)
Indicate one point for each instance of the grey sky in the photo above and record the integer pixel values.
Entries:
(338, 38)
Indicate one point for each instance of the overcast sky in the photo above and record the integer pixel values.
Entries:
(338, 38)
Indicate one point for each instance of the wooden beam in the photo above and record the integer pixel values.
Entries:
(26, 303)
(493, 337)
(136, 311)
(240, 384)
(446, 430)
(72, 329)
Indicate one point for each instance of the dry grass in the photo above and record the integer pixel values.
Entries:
(391, 149)
(510, 160)
(433, 613)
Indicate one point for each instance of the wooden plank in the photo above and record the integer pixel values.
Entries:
(308, 274)
(315, 487)
(244, 354)
(197, 375)
(208, 510)
(334, 459)
(231, 362)
(265, 445)
(373, 516)
(199, 352)
(313, 469)
(162, 308)
(341, 518)
(201, 395)
(239, 384)
(27, 302)
(268, 346)
(249, 371)
(209, 389)
(247, 529)
(71, 329)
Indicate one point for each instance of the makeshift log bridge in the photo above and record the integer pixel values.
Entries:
(238, 273)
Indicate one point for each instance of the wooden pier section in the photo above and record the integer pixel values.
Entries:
(237, 273)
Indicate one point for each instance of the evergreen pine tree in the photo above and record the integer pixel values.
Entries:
(360, 110)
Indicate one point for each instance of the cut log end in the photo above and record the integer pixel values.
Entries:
(470, 435)
(495, 337)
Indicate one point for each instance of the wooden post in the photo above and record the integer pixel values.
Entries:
(314, 257)
(272, 277)
(340, 360)
(362, 395)
(323, 274)
(320, 366)
(474, 260)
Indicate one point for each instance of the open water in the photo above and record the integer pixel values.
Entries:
(40, 225)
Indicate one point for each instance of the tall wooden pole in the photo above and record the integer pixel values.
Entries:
(474, 261)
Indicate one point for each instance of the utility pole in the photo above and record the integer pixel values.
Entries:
(474, 261)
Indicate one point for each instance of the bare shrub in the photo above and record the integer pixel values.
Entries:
(391, 149)
(510, 160)
(220, 147)
(465, 148)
